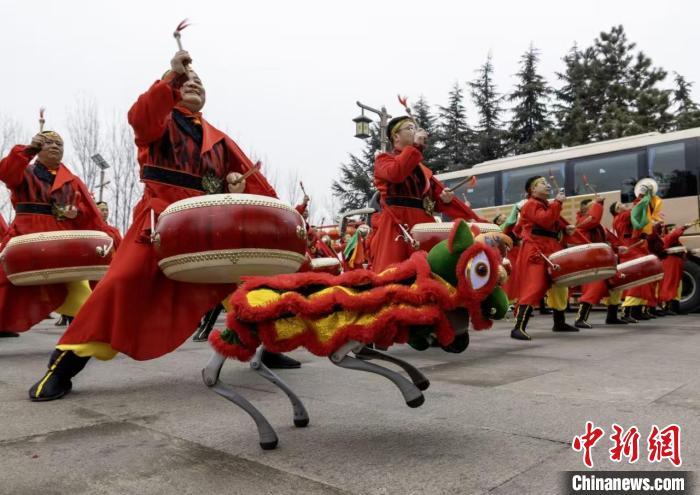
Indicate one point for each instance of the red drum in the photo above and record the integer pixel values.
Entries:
(676, 250)
(57, 257)
(636, 272)
(583, 264)
(326, 265)
(429, 234)
(220, 238)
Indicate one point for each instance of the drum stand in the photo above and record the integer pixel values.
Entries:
(411, 390)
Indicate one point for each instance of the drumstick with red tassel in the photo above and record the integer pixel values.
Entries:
(185, 23)
(471, 180)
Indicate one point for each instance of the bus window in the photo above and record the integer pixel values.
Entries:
(480, 196)
(608, 173)
(514, 180)
(667, 165)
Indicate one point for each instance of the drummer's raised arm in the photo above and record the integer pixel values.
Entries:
(13, 165)
(148, 116)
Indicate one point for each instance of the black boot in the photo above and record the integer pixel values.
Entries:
(523, 317)
(278, 361)
(560, 324)
(667, 308)
(637, 312)
(543, 308)
(646, 312)
(627, 315)
(584, 311)
(5, 335)
(611, 318)
(207, 324)
(658, 313)
(56, 383)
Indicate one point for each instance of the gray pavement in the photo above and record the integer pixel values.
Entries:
(498, 418)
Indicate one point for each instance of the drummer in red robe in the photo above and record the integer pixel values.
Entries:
(408, 194)
(588, 224)
(136, 309)
(636, 299)
(670, 285)
(541, 230)
(46, 197)
(113, 231)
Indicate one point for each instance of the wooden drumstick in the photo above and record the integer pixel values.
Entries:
(301, 184)
(553, 266)
(42, 121)
(553, 180)
(464, 181)
(250, 172)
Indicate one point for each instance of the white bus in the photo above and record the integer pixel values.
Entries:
(613, 168)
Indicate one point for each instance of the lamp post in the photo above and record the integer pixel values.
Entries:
(362, 124)
(103, 165)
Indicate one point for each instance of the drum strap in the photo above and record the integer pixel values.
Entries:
(545, 233)
(34, 208)
(172, 177)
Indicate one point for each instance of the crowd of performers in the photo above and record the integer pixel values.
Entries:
(136, 310)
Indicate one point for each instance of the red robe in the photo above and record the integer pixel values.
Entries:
(3, 227)
(136, 309)
(401, 174)
(673, 267)
(532, 271)
(23, 307)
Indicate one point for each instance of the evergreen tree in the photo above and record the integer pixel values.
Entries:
(355, 186)
(426, 120)
(575, 107)
(649, 104)
(530, 123)
(489, 135)
(455, 149)
(687, 111)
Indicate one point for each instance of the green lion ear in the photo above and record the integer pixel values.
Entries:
(443, 257)
(461, 237)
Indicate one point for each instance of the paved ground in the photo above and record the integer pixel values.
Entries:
(497, 419)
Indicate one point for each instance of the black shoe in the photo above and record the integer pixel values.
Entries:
(56, 383)
(646, 311)
(668, 310)
(637, 313)
(518, 332)
(207, 324)
(659, 313)
(584, 312)
(5, 335)
(612, 318)
(627, 315)
(278, 361)
(560, 324)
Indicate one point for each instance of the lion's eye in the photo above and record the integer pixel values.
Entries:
(478, 270)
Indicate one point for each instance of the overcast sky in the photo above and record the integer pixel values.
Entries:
(282, 77)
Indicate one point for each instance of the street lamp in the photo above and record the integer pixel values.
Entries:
(102, 165)
(362, 124)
